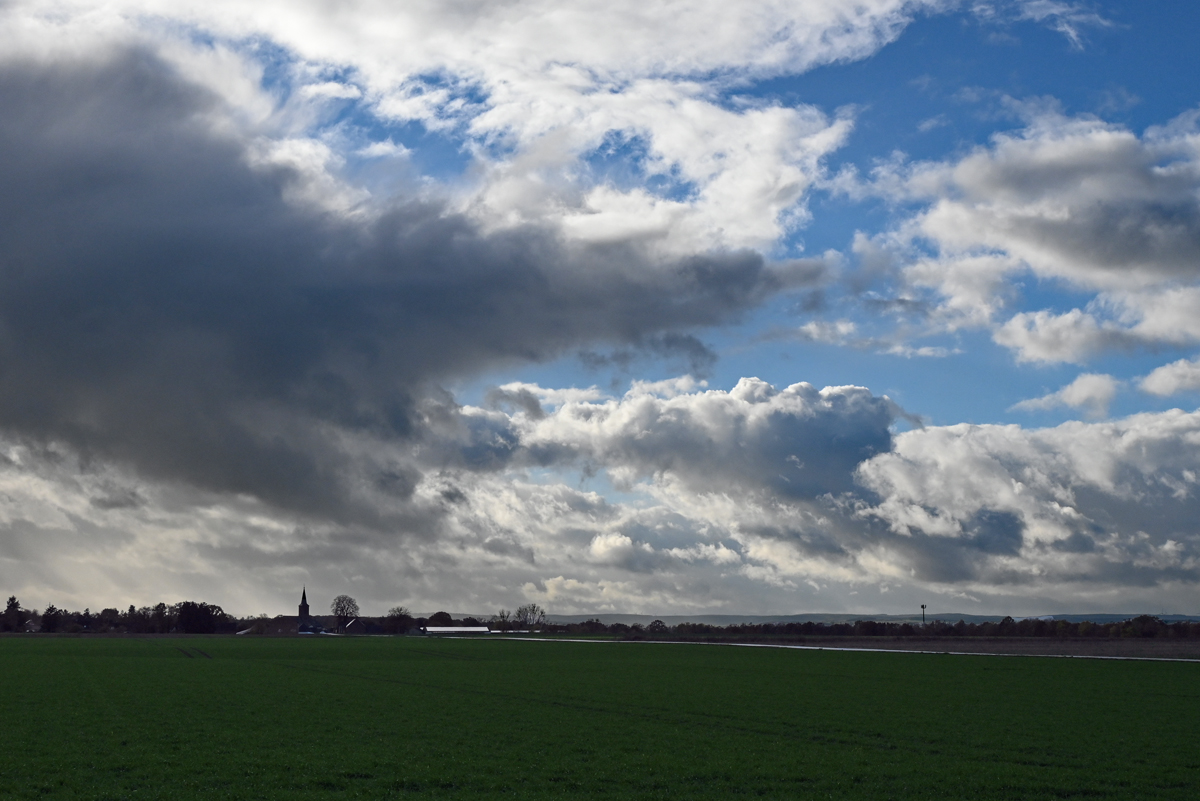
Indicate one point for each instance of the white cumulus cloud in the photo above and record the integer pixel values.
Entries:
(1180, 376)
(1092, 392)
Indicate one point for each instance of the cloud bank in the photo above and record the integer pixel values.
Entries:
(232, 295)
(730, 497)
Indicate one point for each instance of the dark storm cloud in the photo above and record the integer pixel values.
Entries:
(517, 400)
(162, 305)
(694, 356)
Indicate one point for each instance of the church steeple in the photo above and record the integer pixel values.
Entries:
(304, 604)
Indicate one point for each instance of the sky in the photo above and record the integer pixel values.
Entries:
(687, 307)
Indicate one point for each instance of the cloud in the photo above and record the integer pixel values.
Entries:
(534, 92)
(1069, 19)
(231, 302)
(797, 442)
(1079, 199)
(829, 333)
(753, 498)
(1092, 392)
(1074, 336)
(1173, 378)
(1074, 202)
(220, 291)
(843, 333)
(925, 351)
(175, 301)
(983, 509)
(718, 471)
(1079, 494)
(925, 126)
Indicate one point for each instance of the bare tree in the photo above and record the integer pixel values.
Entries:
(344, 608)
(529, 616)
(398, 620)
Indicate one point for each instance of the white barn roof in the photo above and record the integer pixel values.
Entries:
(456, 630)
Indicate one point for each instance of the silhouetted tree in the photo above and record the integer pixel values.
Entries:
(129, 619)
(591, 626)
(529, 616)
(397, 620)
(866, 628)
(14, 615)
(107, 620)
(656, 627)
(51, 619)
(160, 618)
(344, 608)
(198, 618)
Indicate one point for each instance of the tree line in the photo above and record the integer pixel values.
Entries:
(185, 617)
(1141, 626)
(533, 617)
(192, 617)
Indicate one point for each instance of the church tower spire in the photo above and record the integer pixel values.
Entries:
(304, 605)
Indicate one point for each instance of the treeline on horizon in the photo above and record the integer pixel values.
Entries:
(185, 617)
(1141, 626)
(198, 617)
(191, 617)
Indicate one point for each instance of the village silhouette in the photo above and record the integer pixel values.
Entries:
(1111, 635)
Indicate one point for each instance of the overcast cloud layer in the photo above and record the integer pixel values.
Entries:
(253, 258)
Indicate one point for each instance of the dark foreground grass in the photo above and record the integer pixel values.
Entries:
(397, 718)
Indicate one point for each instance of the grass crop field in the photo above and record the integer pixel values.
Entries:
(326, 717)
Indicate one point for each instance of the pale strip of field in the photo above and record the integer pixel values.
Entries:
(840, 648)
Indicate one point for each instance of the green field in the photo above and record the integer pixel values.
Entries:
(328, 717)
